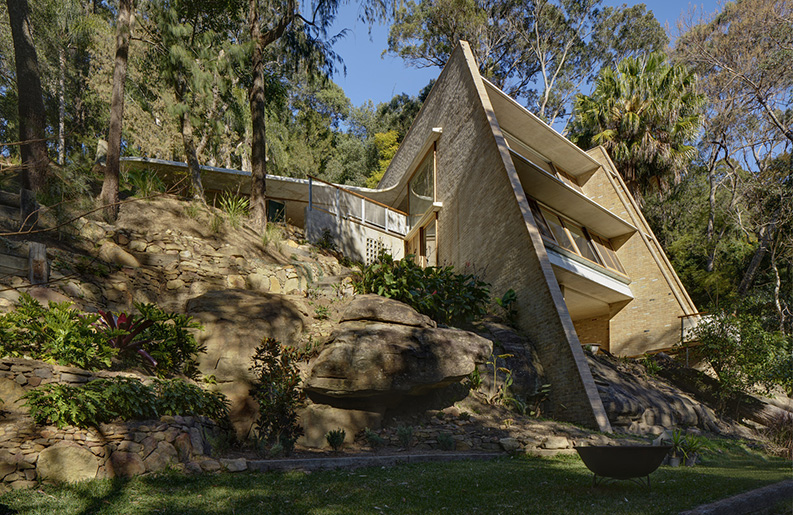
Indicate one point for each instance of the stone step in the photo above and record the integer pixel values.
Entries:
(10, 212)
(13, 265)
(9, 199)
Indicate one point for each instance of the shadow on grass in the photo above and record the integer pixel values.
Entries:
(518, 485)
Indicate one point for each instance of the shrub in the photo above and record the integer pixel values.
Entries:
(780, 431)
(446, 441)
(178, 397)
(62, 334)
(335, 438)
(103, 400)
(162, 339)
(145, 182)
(405, 435)
(57, 332)
(374, 440)
(276, 390)
(438, 292)
(743, 353)
(236, 208)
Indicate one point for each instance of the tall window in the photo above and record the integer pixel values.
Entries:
(575, 238)
(421, 189)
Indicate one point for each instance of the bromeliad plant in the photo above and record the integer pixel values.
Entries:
(59, 333)
(162, 339)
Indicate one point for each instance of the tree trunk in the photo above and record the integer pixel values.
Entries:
(764, 238)
(109, 195)
(258, 140)
(192, 157)
(32, 120)
(62, 106)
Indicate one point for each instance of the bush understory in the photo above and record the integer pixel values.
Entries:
(104, 400)
(438, 292)
(158, 341)
(508, 485)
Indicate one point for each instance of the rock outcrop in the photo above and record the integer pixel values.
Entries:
(392, 353)
(381, 353)
(235, 321)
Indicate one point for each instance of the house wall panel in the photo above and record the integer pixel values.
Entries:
(650, 321)
(482, 227)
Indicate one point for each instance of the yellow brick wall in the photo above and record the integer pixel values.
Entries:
(650, 321)
(482, 227)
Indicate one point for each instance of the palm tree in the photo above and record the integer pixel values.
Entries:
(645, 113)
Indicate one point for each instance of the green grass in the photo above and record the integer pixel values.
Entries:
(508, 485)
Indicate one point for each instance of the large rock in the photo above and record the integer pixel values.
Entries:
(381, 309)
(373, 359)
(11, 394)
(235, 322)
(125, 464)
(66, 463)
(641, 404)
(318, 419)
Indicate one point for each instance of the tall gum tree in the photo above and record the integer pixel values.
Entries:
(32, 119)
(109, 195)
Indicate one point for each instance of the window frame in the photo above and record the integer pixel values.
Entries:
(594, 240)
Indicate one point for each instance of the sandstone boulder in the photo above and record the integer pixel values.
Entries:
(125, 464)
(318, 419)
(374, 359)
(381, 309)
(235, 322)
(67, 463)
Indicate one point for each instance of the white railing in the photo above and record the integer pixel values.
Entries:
(349, 205)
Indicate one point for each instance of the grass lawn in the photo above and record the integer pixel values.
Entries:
(508, 485)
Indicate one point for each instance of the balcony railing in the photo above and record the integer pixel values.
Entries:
(349, 205)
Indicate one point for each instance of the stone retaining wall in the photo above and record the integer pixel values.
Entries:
(168, 268)
(30, 452)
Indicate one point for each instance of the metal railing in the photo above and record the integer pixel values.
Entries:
(350, 205)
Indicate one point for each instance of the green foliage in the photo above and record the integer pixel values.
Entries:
(163, 339)
(273, 235)
(650, 365)
(236, 208)
(475, 380)
(437, 292)
(216, 223)
(744, 353)
(386, 145)
(507, 303)
(178, 397)
(145, 182)
(66, 336)
(374, 440)
(276, 390)
(500, 392)
(104, 400)
(446, 441)
(647, 113)
(56, 333)
(335, 438)
(405, 435)
(321, 312)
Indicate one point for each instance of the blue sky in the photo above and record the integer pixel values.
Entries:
(370, 76)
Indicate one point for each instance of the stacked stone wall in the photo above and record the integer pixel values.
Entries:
(30, 452)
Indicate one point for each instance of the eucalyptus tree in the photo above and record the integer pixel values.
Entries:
(30, 103)
(191, 50)
(541, 51)
(647, 113)
(108, 197)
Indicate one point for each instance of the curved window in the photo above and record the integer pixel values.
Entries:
(421, 189)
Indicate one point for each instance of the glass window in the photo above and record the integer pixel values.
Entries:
(557, 228)
(421, 189)
(582, 242)
(607, 253)
(542, 225)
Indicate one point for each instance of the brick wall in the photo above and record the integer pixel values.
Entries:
(650, 321)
